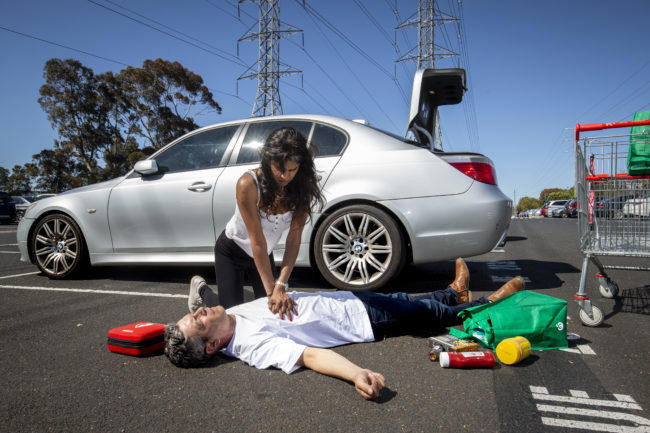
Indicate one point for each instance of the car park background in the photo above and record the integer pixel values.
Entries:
(521, 95)
(59, 375)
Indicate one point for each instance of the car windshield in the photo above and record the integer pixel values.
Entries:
(399, 137)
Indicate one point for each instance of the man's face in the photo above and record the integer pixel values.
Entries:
(205, 322)
(282, 178)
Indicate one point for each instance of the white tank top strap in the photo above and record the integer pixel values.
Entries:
(257, 185)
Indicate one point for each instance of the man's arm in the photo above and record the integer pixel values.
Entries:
(326, 361)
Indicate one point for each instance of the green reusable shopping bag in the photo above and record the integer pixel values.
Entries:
(539, 318)
(638, 156)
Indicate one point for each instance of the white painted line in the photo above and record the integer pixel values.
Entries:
(539, 389)
(595, 413)
(498, 250)
(8, 245)
(587, 401)
(598, 426)
(576, 393)
(506, 278)
(19, 275)
(103, 292)
(585, 349)
(571, 350)
(8, 231)
(623, 397)
(9, 252)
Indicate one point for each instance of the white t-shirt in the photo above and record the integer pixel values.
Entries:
(325, 319)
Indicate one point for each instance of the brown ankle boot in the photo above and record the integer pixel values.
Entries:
(515, 285)
(461, 283)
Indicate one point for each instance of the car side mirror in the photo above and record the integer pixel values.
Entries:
(146, 167)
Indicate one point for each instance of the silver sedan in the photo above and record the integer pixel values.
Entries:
(390, 201)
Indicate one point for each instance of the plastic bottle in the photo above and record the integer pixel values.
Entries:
(467, 359)
(513, 350)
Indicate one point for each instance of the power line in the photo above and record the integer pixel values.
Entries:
(170, 28)
(64, 46)
(239, 63)
(223, 10)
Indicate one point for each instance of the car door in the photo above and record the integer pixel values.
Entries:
(328, 143)
(171, 211)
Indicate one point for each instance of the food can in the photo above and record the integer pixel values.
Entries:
(513, 350)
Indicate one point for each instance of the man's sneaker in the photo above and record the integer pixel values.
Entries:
(194, 301)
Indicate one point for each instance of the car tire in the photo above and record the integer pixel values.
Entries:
(58, 246)
(564, 215)
(359, 247)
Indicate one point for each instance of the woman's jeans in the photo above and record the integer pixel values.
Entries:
(231, 263)
(399, 313)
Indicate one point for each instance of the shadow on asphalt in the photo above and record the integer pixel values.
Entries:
(636, 301)
(515, 238)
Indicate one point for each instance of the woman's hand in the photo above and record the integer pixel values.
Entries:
(280, 303)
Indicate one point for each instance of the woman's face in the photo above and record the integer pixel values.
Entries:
(282, 178)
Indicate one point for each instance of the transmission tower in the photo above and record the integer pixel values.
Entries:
(269, 68)
(426, 19)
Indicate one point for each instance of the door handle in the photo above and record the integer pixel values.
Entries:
(199, 186)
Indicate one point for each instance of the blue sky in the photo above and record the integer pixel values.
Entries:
(536, 68)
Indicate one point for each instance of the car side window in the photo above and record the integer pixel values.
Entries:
(196, 152)
(259, 131)
(327, 141)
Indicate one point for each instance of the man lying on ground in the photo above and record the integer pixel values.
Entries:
(261, 339)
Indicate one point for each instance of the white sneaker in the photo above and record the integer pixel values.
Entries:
(194, 301)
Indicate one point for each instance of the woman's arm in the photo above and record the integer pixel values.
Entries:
(246, 193)
(292, 245)
(326, 361)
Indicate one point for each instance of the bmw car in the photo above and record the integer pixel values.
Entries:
(390, 201)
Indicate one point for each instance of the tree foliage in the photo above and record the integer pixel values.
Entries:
(107, 122)
(526, 203)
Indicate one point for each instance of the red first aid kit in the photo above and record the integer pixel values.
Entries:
(137, 339)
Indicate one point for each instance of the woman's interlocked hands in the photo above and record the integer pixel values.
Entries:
(280, 303)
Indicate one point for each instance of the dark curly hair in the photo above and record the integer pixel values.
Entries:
(302, 193)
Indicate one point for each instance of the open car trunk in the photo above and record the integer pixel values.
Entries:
(431, 89)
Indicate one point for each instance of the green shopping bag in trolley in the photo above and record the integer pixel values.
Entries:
(539, 318)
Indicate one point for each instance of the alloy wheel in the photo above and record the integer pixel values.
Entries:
(57, 246)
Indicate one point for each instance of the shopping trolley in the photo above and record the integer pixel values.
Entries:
(613, 209)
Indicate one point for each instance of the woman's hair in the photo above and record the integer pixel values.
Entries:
(283, 145)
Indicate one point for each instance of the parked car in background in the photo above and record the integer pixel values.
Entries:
(22, 204)
(570, 209)
(611, 207)
(542, 210)
(554, 207)
(637, 207)
(7, 208)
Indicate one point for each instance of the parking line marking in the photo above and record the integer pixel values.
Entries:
(538, 389)
(585, 425)
(585, 349)
(595, 413)
(9, 252)
(8, 245)
(623, 397)
(20, 275)
(576, 393)
(8, 231)
(588, 401)
(103, 292)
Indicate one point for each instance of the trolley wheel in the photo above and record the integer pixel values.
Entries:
(596, 320)
(609, 289)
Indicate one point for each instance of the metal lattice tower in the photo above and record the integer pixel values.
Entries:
(269, 68)
(427, 52)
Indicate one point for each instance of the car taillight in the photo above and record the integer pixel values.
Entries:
(481, 171)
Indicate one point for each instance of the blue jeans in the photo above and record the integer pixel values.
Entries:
(399, 313)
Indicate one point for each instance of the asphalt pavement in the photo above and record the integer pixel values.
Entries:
(58, 375)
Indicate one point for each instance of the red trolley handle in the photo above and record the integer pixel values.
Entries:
(599, 126)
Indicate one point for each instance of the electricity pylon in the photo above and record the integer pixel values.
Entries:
(427, 51)
(269, 68)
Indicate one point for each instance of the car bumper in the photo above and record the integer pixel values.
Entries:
(462, 225)
(22, 236)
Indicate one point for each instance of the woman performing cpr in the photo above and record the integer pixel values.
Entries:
(270, 199)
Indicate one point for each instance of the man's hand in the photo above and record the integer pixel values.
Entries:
(369, 384)
(280, 303)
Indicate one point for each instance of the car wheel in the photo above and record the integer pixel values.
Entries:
(564, 215)
(359, 247)
(58, 246)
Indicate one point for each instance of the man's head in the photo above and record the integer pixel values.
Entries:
(193, 339)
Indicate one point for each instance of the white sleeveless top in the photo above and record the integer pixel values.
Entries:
(272, 225)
